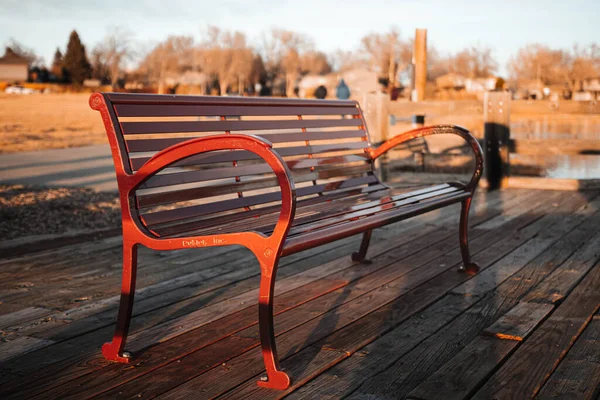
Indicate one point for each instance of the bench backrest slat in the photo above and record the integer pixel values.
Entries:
(324, 143)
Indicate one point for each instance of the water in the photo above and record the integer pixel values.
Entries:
(559, 165)
(563, 166)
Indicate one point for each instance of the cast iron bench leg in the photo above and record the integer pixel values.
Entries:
(468, 266)
(275, 379)
(114, 350)
(361, 255)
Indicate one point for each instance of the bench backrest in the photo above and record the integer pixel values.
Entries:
(324, 143)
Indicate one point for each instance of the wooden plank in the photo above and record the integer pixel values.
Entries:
(82, 343)
(460, 376)
(195, 319)
(555, 287)
(492, 277)
(171, 298)
(135, 319)
(164, 288)
(408, 371)
(313, 329)
(85, 385)
(22, 316)
(536, 359)
(347, 339)
(577, 377)
(519, 321)
(21, 345)
(320, 301)
(505, 268)
(340, 379)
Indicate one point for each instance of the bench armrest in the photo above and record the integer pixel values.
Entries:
(255, 144)
(438, 129)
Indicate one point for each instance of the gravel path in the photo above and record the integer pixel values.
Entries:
(30, 210)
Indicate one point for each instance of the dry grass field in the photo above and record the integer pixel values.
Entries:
(39, 122)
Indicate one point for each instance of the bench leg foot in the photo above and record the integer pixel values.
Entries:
(468, 266)
(361, 255)
(114, 351)
(276, 378)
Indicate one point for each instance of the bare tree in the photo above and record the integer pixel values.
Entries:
(227, 56)
(344, 60)
(115, 50)
(315, 62)
(282, 51)
(437, 63)
(474, 62)
(583, 63)
(556, 66)
(168, 58)
(387, 53)
(538, 62)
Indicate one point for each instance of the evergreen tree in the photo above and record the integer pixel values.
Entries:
(57, 65)
(75, 62)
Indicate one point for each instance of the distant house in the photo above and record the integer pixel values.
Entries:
(475, 85)
(457, 82)
(360, 81)
(309, 83)
(13, 68)
(530, 89)
(592, 86)
(451, 81)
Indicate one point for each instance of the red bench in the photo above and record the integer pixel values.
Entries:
(277, 176)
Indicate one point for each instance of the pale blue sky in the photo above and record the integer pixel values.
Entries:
(452, 25)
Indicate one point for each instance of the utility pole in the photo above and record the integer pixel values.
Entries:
(420, 64)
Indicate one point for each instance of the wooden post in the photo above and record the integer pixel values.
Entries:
(418, 121)
(496, 106)
(420, 64)
(376, 112)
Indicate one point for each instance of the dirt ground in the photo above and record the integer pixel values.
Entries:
(31, 211)
(46, 121)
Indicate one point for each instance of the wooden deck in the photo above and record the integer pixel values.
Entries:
(406, 326)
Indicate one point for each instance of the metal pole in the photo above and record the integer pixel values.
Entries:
(496, 138)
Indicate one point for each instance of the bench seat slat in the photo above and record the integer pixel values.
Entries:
(148, 127)
(336, 232)
(385, 204)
